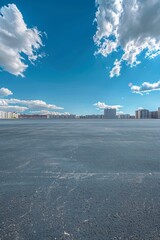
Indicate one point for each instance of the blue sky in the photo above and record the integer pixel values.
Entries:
(70, 76)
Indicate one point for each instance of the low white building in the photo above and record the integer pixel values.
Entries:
(8, 115)
(124, 116)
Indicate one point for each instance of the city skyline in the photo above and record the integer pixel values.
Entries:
(72, 64)
(108, 113)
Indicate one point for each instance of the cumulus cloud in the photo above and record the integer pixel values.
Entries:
(120, 113)
(17, 105)
(4, 92)
(33, 104)
(7, 108)
(128, 28)
(45, 112)
(17, 41)
(102, 105)
(145, 88)
(116, 69)
(3, 102)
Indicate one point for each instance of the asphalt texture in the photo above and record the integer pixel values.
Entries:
(80, 180)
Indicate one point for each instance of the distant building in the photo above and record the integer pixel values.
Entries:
(136, 114)
(47, 116)
(159, 112)
(124, 116)
(142, 114)
(8, 115)
(32, 116)
(93, 116)
(154, 114)
(110, 113)
(62, 116)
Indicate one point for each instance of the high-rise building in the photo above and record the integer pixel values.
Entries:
(109, 113)
(142, 114)
(154, 114)
(136, 114)
(159, 112)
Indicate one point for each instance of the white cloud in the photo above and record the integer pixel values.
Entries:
(116, 69)
(16, 39)
(145, 88)
(17, 105)
(120, 113)
(7, 108)
(102, 105)
(130, 84)
(32, 104)
(128, 27)
(4, 92)
(3, 102)
(45, 112)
